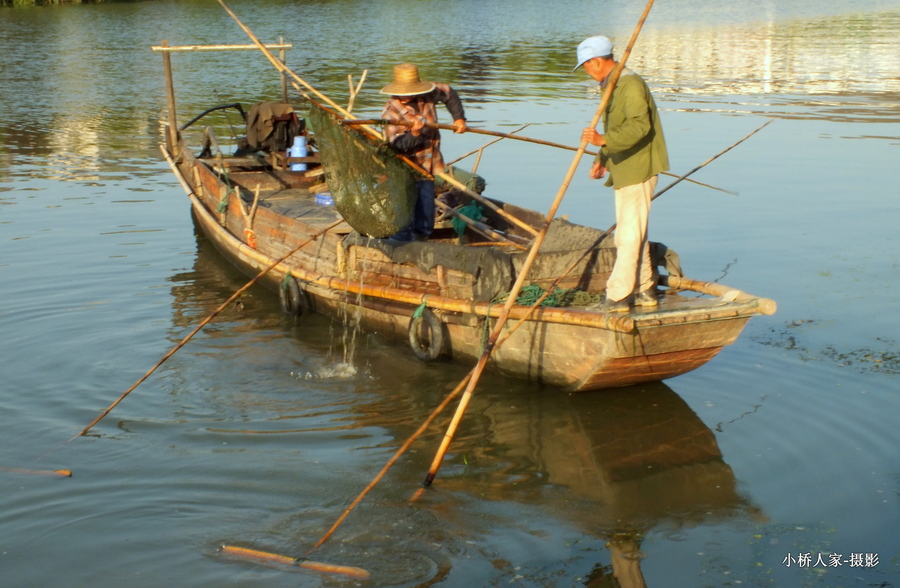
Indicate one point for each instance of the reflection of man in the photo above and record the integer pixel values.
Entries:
(414, 101)
(634, 152)
(626, 561)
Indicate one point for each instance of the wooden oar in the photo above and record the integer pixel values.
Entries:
(529, 260)
(205, 321)
(353, 572)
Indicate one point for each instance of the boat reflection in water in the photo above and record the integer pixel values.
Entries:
(619, 464)
(631, 461)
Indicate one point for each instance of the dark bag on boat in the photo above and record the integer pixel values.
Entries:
(272, 126)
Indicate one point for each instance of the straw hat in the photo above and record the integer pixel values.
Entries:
(406, 82)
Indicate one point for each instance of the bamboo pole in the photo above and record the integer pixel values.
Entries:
(55, 473)
(486, 145)
(440, 408)
(501, 136)
(170, 99)
(205, 321)
(713, 158)
(282, 55)
(244, 552)
(529, 260)
(165, 48)
(354, 92)
(477, 131)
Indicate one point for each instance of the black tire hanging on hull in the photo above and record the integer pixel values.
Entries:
(293, 298)
(426, 335)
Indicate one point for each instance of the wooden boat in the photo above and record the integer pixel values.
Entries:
(440, 295)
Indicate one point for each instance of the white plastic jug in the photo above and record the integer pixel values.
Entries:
(298, 150)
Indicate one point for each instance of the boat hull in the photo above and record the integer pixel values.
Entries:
(573, 357)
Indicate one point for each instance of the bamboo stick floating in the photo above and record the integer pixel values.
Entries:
(246, 553)
(57, 473)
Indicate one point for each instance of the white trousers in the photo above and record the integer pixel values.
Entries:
(633, 271)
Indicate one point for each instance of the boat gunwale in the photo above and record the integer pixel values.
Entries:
(745, 305)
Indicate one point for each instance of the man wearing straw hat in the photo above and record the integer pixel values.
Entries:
(413, 100)
(633, 151)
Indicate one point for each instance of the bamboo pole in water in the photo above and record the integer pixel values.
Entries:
(57, 473)
(244, 552)
(529, 260)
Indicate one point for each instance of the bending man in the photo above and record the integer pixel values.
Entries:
(415, 101)
(633, 151)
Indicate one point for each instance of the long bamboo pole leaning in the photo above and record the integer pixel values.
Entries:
(486, 145)
(280, 66)
(767, 307)
(213, 315)
(529, 260)
(374, 121)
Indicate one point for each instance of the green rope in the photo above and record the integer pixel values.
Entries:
(421, 308)
(222, 208)
(529, 295)
(473, 211)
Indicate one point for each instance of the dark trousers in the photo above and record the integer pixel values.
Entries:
(422, 224)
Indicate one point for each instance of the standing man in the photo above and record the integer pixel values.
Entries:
(415, 101)
(633, 151)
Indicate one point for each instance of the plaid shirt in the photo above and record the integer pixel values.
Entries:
(426, 148)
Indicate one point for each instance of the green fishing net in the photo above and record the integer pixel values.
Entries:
(373, 190)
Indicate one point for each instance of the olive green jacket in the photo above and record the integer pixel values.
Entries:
(635, 148)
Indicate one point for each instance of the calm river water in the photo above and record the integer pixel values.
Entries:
(776, 464)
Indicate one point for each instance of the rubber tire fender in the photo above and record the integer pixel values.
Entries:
(431, 347)
(293, 298)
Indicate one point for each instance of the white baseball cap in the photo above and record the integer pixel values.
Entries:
(591, 47)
